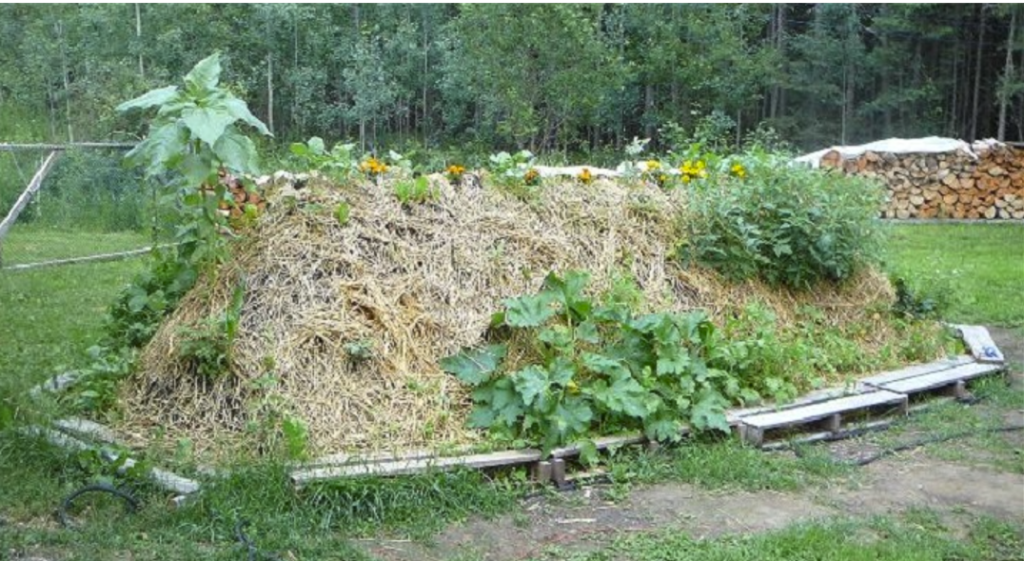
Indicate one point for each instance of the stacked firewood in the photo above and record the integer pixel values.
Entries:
(987, 184)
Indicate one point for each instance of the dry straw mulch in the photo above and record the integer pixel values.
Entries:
(420, 282)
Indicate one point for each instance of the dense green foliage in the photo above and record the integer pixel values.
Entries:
(544, 77)
(788, 225)
(596, 368)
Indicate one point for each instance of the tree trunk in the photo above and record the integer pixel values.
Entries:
(64, 72)
(648, 110)
(426, 81)
(977, 78)
(270, 92)
(951, 126)
(138, 38)
(1007, 75)
(842, 120)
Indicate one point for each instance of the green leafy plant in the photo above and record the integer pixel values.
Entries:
(96, 387)
(416, 190)
(296, 437)
(342, 212)
(788, 225)
(360, 350)
(194, 137)
(339, 163)
(583, 368)
(207, 344)
(920, 302)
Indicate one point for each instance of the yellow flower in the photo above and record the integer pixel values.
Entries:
(373, 166)
(585, 176)
(653, 165)
(532, 177)
(455, 170)
(738, 171)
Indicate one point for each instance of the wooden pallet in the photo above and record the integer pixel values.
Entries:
(878, 380)
(953, 379)
(753, 428)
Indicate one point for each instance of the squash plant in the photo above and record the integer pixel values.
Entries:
(595, 368)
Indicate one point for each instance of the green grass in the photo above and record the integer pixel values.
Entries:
(985, 446)
(918, 536)
(50, 316)
(980, 266)
(31, 244)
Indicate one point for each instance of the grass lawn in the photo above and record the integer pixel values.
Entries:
(50, 316)
(28, 244)
(979, 267)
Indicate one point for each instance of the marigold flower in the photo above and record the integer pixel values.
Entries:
(532, 177)
(585, 176)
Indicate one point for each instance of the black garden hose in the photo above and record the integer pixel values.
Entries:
(920, 442)
(62, 510)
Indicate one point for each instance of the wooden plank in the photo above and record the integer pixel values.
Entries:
(402, 467)
(56, 384)
(88, 259)
(733, 416)
(558, 472)
(26, 195)
(817, 411)
(540, 472)
(347, 459)
(603, 443)
(14, 147)
(854, 430)
(86, 428)
(162, 478)
(980, 343)
(942, 378)
(911, 371)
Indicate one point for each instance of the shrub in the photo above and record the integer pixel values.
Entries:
(790, 226)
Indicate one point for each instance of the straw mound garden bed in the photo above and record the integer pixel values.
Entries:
(420, 282)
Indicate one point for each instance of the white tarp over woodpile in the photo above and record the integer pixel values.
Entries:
(928, 145)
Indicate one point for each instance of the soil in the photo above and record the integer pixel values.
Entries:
(586, 519)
